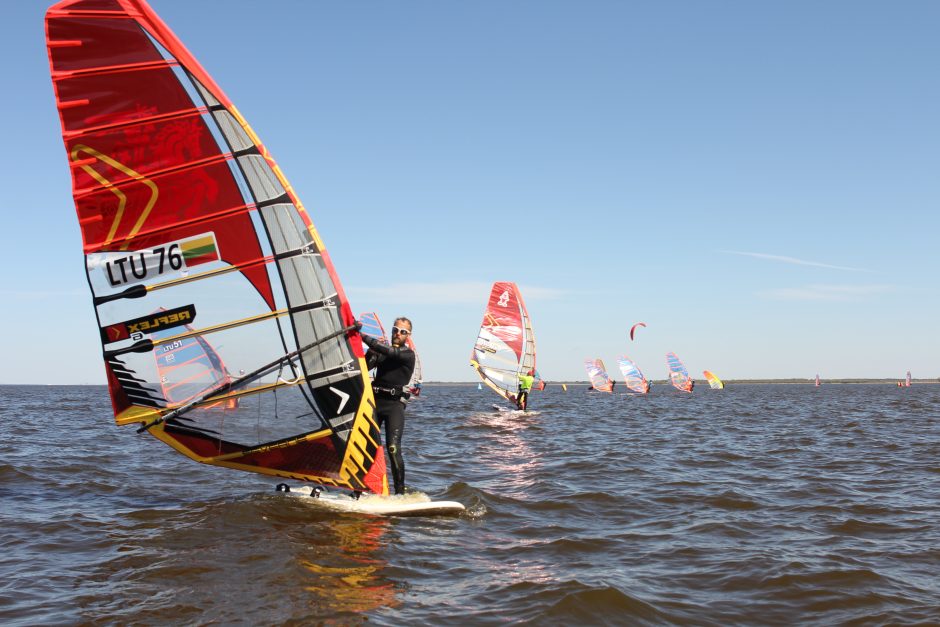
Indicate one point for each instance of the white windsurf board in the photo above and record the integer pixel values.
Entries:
(514, 412)
(415, 504)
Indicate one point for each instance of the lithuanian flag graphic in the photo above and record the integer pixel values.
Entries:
(200, 249)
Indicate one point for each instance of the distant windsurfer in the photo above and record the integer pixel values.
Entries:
(394, 366)
(525, 386)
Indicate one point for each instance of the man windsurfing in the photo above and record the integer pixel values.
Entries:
(525, 386)
(394, 366)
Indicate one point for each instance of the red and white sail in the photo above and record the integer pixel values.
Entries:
(505, 346)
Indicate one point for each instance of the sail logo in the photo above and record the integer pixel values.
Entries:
(136, 328)
(343, 399)
(84, 156)
(483, 345)
(504, 299)
(141, 266)
(171, 347)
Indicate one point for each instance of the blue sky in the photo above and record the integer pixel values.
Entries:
(755, 181)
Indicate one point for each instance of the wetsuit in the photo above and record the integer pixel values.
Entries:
(525, 386)
(394, 366)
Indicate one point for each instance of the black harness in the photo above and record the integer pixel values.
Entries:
(395, 392)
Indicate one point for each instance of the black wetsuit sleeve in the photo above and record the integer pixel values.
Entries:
(395, 364)
(398, 353)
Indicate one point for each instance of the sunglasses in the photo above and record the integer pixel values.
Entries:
(400, 331)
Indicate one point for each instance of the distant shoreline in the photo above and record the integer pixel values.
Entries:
(732, 382)
(586, 383)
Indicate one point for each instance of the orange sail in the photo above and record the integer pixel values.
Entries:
(713, 381)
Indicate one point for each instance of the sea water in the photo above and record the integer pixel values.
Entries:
(770, 504)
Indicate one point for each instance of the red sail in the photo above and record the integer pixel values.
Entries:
(181, 208)
(505, 346)
(503, 316)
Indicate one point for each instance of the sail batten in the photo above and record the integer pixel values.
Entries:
(205, 219)
(108, 70)
(205, 330)
(128, 125)
(152, 176)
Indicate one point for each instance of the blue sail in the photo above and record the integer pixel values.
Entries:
(634, 379)
(678, 375)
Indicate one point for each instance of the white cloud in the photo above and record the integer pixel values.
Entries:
(826, 292)
(792, 260)
(443, 293)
